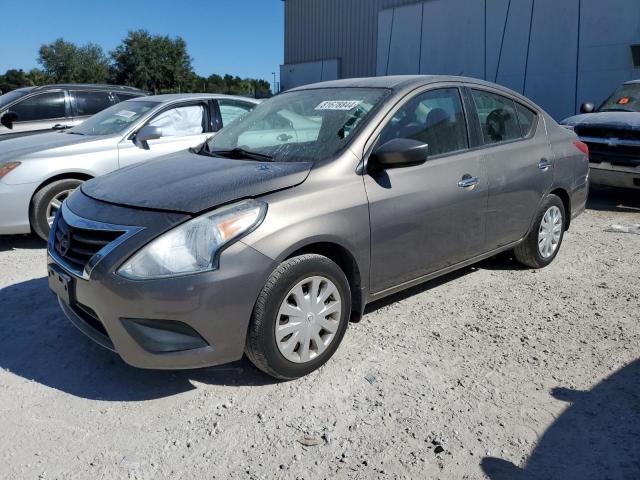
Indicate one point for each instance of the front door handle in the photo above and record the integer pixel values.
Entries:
(468, 181)
(59, 126)
(283, 137)
(545, 164)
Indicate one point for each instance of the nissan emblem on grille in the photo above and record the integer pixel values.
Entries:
(65, 244)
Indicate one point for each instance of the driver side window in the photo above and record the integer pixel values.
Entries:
(435, 117)
(181, 121)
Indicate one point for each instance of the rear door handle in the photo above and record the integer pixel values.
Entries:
(545, 164)
(59, 126)
(468, 181)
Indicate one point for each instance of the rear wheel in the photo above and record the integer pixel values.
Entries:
(542, 244)
(300, 317)
(47, 201)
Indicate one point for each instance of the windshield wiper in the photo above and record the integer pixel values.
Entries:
(238, 154)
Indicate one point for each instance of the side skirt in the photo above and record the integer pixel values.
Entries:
(430, 276)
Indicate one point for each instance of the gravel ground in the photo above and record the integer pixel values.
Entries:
(492, 372)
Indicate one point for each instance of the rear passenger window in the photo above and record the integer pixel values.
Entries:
(435, 117)
(41, 107)
(231, 110)
(497, 116)
(527, 119)
(90, 103)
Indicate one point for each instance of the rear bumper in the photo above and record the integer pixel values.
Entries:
(14, 208)
(603, 174)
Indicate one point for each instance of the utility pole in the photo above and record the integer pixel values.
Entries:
(275, 86)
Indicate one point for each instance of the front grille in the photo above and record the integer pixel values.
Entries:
(604, 132)
(621, 155)
(76, 245)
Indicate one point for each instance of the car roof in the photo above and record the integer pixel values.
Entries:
(399, 83)
(169, 97)
(632, 82)
(90, 86)
(395, 82)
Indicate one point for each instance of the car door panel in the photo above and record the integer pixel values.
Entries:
(180, 134)
(427, 217)
(517, 174)
(422, 221)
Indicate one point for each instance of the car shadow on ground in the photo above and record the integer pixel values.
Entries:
(596, 437)
(38, 343)
(21, 242)
(614, 199)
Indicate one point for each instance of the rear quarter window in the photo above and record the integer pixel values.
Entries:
(527, 119)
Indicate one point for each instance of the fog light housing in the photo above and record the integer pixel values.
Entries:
(163, 336)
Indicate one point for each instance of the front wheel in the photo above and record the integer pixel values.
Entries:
(541, 245)
(300, 317)
(47, 201)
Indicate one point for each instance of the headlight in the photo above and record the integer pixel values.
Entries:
(7, 167)
(195, 245)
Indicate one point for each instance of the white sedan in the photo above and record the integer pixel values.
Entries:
(38, 172)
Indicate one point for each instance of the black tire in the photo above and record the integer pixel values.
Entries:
(261, 347)
(41, 200)
(527, 252)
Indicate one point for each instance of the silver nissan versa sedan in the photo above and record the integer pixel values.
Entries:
(278, 231)
(38, 172)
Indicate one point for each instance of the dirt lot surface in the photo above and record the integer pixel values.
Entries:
(493, 372)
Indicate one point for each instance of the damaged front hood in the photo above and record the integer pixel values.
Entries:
(190, 183)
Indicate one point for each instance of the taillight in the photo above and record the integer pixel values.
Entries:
(583, 147)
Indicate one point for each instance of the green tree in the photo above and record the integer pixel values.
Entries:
(13, 79)
(38, 77)
(66, 62)
(153, 62)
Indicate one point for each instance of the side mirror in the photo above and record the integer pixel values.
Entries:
(8, 119)
(587, 108)
(145, 134)
(399, 152)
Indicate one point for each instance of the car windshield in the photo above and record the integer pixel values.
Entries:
(304, 125)
(115, 119)
(625, 99)
(9, 97)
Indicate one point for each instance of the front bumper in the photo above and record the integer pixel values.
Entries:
(604, 174)
(14, 208)
(216, 305)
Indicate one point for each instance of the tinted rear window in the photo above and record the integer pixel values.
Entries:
(90, 103)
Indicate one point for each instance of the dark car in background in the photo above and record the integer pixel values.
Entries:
(275, 233)
(612, 132)
(30, 110)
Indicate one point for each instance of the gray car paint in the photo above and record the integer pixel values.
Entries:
(389, 231)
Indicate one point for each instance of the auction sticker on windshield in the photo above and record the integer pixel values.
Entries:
(125, 113)
(338, 105)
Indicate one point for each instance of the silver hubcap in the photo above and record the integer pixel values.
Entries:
(550, 232)
(55, 204)
(308, 319)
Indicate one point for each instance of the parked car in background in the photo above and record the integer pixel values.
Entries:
(612, 132)
(32, 110)
(38, 172)
(275, 233)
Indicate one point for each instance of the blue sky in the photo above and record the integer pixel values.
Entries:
(239, 37)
